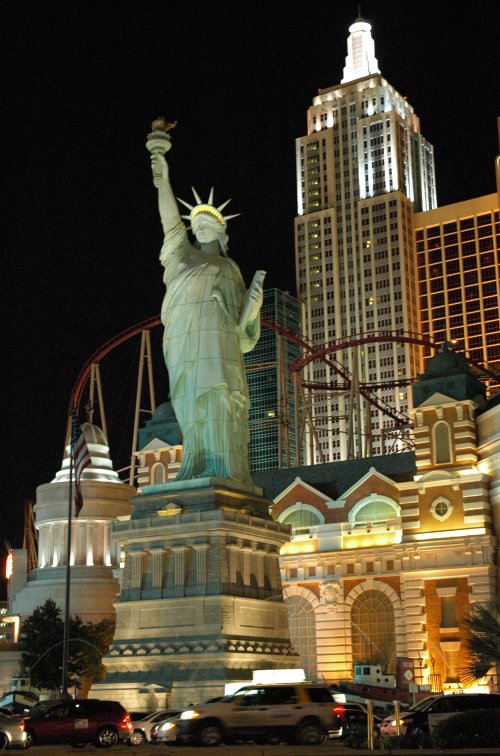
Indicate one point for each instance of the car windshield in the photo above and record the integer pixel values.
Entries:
(420, 705)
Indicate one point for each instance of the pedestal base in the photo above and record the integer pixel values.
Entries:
(201, 600)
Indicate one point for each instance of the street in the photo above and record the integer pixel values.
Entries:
(333, 747)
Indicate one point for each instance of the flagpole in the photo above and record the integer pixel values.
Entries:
(64, 675)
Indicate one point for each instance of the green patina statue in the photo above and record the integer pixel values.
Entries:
(210, 320)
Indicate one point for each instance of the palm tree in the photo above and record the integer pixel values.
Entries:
(483, 639)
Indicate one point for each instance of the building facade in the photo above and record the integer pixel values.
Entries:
(94, 558)
(458, 259)
(385, 562)
(362, 170)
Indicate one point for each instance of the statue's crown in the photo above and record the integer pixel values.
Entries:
(207, 207)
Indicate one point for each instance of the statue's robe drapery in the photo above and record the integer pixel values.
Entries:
(203, 346)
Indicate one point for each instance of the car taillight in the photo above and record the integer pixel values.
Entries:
(338, 710)
(20, 726)
(127, 722)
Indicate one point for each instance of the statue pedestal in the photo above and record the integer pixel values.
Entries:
(201, 598)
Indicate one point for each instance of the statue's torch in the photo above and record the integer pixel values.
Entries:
(159, 141)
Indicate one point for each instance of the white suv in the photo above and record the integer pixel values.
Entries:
(300, 713)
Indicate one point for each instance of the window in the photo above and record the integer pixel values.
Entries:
(442, 443)
(158, 474)
(448, 613)
(301, 518)
(302, 622)
(450, 654)
(375, 511)
(441, 508)
(373, 630)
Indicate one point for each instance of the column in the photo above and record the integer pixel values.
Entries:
(200, 551)
(157, 562)
(136, 570)
(179, 567)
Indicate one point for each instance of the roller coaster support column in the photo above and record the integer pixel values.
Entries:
(145, 356)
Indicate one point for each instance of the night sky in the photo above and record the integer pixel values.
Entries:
(81, 83)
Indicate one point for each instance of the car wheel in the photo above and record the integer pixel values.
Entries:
(309, 732)
(210, 734)
(30, 739)
(106, 737)
(4, 741)
(137, 738)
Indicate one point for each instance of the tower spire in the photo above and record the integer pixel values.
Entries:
(360, 60)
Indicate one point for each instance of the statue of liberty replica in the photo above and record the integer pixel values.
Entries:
(201, 600)
(210, 321)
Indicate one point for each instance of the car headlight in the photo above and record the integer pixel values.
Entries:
(167, 726)
(190, 714)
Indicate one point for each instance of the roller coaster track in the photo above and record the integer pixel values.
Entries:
(312, 352)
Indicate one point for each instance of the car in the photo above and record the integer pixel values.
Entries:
(422, 718)
(388, 724)
(142, 728)
(12, 732)
(353, 719)
(79, 721)
(300, 713)
(166, 731)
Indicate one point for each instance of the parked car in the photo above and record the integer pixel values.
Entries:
(353, 720)
(300, 713)
(388, 724)
(166, 731)
(422, 718)
(81, 721)
(12, 732)
(142, 728)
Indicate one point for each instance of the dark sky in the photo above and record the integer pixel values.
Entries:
(81, 83)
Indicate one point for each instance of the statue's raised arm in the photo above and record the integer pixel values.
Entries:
(210, 319)
(158, 144)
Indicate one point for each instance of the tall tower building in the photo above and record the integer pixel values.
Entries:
(273, 404)
(363, 169)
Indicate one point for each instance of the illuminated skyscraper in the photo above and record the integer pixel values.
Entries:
(458, 258)
(273, 427)
(363, 169)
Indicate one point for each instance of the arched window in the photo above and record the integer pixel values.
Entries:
(302, 518)
(373, 630)
(158, 475)
(442, 443)
(302, 622)
(375, 510)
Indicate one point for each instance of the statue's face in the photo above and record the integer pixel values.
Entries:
(206, 229)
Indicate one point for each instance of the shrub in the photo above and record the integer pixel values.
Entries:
(469, 729)
(391, 742)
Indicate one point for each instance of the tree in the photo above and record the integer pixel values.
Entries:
(41, 642)
(483, 639)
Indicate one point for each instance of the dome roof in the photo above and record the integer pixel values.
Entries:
(101, 466)
(446, 362)
(164, 413)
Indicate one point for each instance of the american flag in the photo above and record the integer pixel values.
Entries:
(81, 458)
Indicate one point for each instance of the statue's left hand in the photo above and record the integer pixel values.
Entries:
(159, 168)
(255, 298)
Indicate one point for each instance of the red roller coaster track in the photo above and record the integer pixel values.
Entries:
(311, 353)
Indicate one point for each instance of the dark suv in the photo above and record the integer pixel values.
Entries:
(300, 713)
(425, 716)
(77, 722)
